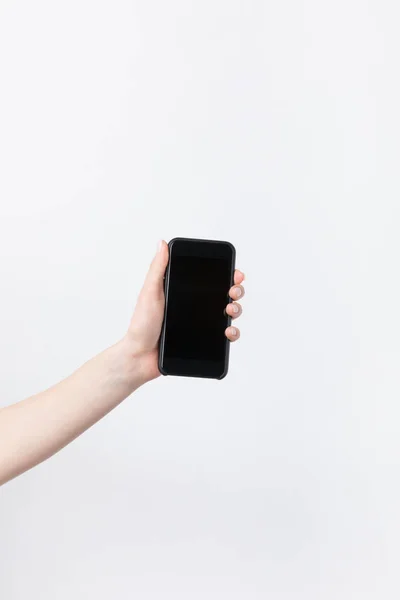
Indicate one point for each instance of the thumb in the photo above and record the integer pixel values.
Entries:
(154, 281)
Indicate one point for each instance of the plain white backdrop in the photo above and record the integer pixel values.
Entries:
(274, 125)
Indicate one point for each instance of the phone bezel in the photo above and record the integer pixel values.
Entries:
(188, 367)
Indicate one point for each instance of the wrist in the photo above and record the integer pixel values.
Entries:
(137, 367)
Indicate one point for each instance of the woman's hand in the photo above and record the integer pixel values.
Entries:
(145, 327)
(35, 428)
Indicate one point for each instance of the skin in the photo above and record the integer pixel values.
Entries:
(36, 428)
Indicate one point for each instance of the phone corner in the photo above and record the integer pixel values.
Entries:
(233, 253)
(160, 363)
(161, 369)
(173, 240)
(232, 247)
(223, 374)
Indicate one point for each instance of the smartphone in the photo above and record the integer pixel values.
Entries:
(197, 282)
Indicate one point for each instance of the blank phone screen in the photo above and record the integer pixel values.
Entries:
(197, 296)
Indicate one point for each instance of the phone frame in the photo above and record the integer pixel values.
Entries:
(184, 362)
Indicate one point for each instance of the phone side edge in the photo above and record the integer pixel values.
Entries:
(161, 341)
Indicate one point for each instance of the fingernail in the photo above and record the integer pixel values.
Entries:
(159, 246)
(233, 331)
(235, 308)
(238, 292)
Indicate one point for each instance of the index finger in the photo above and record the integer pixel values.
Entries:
(238, 277)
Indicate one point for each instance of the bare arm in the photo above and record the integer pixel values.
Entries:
(36, 428)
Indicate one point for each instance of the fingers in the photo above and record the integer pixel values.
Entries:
(234, 310)
(232, 333)
(238, 277)
(155, 276)
(236, 292)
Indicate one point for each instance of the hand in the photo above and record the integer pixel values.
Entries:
(145, 327)
(37, 427)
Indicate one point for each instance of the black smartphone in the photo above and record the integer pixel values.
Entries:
(197, 282)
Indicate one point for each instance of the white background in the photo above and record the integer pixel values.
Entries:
(274, 125)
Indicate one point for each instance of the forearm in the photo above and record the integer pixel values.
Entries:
(35, 428)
